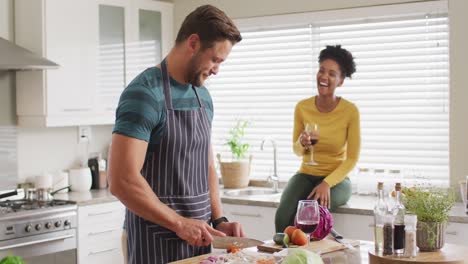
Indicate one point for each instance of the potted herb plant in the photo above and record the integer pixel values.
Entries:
(235, 174)
(432, 206)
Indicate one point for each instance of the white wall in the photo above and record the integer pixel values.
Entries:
(53, 149)
(458, 53)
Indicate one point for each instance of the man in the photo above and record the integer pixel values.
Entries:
(161, 163)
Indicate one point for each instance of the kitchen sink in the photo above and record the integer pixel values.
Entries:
(252, 192)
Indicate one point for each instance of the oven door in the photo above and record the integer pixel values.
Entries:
(38, 245)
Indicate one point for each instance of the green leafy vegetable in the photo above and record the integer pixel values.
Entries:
(12, 260)
(302, 256)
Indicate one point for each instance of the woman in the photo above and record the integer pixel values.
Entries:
(337, 149)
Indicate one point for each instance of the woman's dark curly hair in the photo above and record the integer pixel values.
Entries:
(343, 57)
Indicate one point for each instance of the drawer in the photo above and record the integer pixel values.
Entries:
(101, 242)
(354, 226)
(101, 213)
(257, 222)
(457, 233)
(106, 255)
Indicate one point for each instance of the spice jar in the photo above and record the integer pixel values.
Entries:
(410, 236)
(388, 235)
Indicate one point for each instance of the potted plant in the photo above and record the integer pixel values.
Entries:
(235, 174)
(432, 206)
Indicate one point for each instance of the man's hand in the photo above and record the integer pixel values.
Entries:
(322, 192)
(231, 229)
(196, 232)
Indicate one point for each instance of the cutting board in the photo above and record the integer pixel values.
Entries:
(323, 246)
(194, 260)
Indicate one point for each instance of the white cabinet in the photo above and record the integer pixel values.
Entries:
(360, 227)
(257, 222)
(56, 29)
(457, 233)
(100, 46)
(133, 35)
(100, 232)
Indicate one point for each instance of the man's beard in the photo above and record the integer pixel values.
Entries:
(194, 76)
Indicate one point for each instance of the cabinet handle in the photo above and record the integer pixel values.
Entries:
(35, 242)
(101, 251)
(76, 109)
(248, 215)
(101, 232)
(101, 213)
(371, 225)
(453, 233)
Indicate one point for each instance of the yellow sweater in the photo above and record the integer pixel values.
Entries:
(337, 150)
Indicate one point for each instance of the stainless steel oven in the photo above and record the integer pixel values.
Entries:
(31, 228)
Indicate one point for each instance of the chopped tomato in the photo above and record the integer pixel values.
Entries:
(233, 249)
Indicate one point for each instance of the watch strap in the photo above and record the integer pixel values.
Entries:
(218, 221)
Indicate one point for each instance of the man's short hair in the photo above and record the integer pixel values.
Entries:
(211, 25)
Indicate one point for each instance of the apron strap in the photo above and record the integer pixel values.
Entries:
(166, 86)
(198, 97)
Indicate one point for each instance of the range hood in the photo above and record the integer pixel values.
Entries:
(14, 57)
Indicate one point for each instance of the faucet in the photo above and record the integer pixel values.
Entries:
(274, 179)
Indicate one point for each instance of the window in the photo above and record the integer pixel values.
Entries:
(400, 87)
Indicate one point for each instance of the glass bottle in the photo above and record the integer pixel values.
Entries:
(398, 212)
(410, 236)
(388, 235)
(380, 210)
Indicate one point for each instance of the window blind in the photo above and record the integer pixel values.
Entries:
(400, 87)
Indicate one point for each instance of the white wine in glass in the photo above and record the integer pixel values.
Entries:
(313, 131)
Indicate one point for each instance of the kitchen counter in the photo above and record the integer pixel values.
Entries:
(357, 205)
(87, 198)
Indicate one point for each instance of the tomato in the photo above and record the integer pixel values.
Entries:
(233, 249)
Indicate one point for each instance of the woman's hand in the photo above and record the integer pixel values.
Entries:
(304, 139)
(322, 192)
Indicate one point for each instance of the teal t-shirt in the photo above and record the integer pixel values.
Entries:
(141, 112)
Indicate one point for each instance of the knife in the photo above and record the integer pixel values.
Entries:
(239, 242)
(339, 238)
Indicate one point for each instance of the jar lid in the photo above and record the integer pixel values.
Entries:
(411, 220)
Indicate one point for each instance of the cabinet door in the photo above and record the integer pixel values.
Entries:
(257, 222)
(148, 41)
(71, 39)
(111, 55)
(354, 226)
(131, 38)
(457, 233)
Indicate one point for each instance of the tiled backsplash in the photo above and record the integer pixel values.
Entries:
(8, 157)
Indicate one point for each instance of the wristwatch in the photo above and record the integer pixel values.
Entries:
(218, 221)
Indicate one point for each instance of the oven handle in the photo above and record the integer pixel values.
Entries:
(37, 242)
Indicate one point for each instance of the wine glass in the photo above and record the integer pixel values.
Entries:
(307, 217)
(313, 131)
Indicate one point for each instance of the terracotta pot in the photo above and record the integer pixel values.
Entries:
(430, 236)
